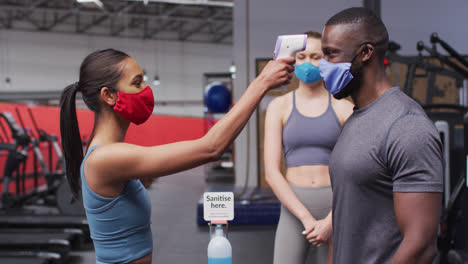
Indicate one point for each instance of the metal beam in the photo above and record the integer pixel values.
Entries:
(122, 28)
(184, 20)
(218, 28)
(33, 22)
(95, 22)
(29, 10)
(4, 20)
(62, 18)
(167, 14)
(207, 40)
(126, 9)
(107, 15)
(118, 13)
(222, 36)
(186, 35)
(171, 10)
(99, 13)
(209, 21)
(159, 29)
(9, 19)
(25, 14)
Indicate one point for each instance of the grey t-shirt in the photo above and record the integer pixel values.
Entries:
(387, 146)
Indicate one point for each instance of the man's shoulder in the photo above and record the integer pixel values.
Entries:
(398, 105)
(403, 102)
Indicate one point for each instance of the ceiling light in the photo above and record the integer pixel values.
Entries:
(91, 3)
(232, 68)
(156, 81)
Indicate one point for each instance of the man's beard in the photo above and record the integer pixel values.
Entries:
(352, 86)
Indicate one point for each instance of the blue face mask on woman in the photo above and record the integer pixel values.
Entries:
(307, 73)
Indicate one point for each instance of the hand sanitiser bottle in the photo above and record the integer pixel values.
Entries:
(219, 248)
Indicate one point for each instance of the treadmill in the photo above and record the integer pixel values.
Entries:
(24, 235)
(74, 237)
(58, 243)
(12, 214)
(29, 257)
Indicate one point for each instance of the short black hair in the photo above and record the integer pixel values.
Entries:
(372, 27)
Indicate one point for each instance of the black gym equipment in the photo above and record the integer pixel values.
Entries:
(435, 39)
(54, 242)
(453, 126)
(17, 154)
(453, 232)
(25, 235)
(12, 220)
(75, 236)
(57, 192)
(29, 257)
(451, 120)
(419, 62)
(64, 201)
(445, 61)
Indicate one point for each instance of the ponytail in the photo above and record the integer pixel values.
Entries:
(71, 139)
(99, 69)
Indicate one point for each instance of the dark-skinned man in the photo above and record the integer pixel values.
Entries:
(386, 168)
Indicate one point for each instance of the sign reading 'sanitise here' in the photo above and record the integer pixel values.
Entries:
(218, 206)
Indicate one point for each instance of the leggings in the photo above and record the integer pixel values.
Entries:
(291, 246)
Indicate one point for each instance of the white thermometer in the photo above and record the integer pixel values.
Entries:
(289, 45)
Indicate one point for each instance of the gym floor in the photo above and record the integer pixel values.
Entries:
(176, 236)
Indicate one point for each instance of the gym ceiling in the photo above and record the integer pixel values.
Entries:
(207, 21)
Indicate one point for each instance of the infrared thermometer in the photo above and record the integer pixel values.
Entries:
(289, 45)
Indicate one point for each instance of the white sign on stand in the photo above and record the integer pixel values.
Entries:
(218, 206)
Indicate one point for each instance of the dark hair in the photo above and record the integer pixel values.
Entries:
(313, 34)
(99, 69)
(370, 25)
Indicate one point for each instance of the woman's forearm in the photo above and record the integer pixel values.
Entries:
(221, 135)
(287, 197)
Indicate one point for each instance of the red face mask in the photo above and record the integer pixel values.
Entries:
(135, 107)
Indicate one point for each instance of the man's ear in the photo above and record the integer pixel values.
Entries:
(367, 52)
(108, 96)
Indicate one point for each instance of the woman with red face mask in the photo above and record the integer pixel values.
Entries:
(108, 176)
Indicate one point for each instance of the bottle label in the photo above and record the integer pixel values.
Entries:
(219, 260)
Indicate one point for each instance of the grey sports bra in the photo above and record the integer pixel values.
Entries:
(310, 140)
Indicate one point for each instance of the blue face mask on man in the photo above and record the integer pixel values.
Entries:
(307, 73)
(335, 75)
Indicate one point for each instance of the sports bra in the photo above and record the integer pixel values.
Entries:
(310, 140)
(120, 226)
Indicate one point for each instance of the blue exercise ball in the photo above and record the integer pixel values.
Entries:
(217, 98)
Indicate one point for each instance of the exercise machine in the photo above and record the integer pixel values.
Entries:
(25, 235)
(56, 193)
(452, 242)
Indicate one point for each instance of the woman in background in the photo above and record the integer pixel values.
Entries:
(304, 124)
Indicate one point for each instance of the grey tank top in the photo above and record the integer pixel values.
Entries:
(310, 140)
